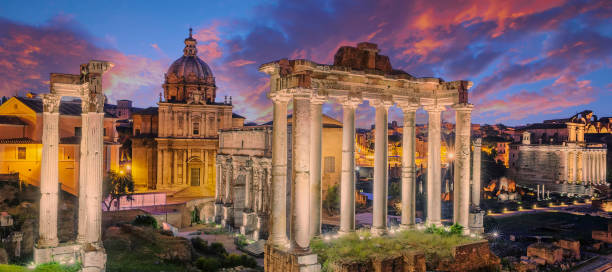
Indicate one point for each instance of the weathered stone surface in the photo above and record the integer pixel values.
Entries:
(4, 258)
(571, 247)
(279, 260)
(364, 56)
(474, 256)
(551, 254)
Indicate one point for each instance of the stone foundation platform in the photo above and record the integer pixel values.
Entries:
(279, 260)
(92, 258)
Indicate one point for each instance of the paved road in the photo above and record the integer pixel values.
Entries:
(601, 264)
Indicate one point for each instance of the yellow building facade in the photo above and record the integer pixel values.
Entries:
(21, 141)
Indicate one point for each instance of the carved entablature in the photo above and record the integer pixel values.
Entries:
(87, 86)
(370, 81)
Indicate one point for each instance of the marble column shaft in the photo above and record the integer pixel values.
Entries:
(278, 217)
(300, 182)
(49, 175)
(83, 173)
(434, 184)
(316, 128)
(381, 165)
(347, 178)
(476, 165)
(408, 167)
(95, 143)
(461, 192)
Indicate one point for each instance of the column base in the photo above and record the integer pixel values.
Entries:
(65, 254)
(378, 231)
(407, 226)
(475, 222)
(93, 258)
(277, 259)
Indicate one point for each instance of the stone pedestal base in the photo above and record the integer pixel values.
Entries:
(227, 213)
(66, 254)
(218, 213)
(475, 222)
(280, 260)
(93, 259)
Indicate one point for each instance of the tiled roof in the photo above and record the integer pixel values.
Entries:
(147, 111)
(237, 116)
(24, 140)
(66, 107)
(11, 120)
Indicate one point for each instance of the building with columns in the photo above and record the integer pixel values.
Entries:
(358, 73)
(571, 166)
(244, 167)
(174, 145)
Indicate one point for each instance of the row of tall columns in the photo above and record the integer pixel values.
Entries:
(49, 175)
(316, 128)
(434, 186)
(300, 185)
(91, 167)
(461, 192)
(408, 167)
(381, 162)
(347, 178)
(588, 167)
(476, 164)
(278, 219)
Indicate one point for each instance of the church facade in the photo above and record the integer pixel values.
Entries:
(174, 145)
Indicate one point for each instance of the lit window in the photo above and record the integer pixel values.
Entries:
(196, 128)
(21, 153)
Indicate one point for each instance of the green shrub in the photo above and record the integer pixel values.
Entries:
(145, 220)
(55, 267)
(200, 245)
(233, 260)
(12, 268)
(207, 264)
(248, 261)
(456, 229)
(217, 249)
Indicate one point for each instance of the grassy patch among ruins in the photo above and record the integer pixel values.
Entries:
(361, 246)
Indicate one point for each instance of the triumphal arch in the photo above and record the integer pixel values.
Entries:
(358, 74)
(88, 247)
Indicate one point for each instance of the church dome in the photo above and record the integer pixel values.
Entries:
(190, 68)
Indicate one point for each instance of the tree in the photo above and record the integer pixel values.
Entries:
(115, 186)
(331, 203)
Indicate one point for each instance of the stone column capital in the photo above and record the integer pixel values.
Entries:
(463, 107)
(477, 142)
(381, 103)
(278, 97)
(434, 108)
(408, 107)
(350, 102)
(318, 99)
(51, 102)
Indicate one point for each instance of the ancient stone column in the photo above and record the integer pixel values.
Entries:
(476, 165)
(300, 182)
(580, 134)
(347, 178)
(408, 167)
(538, 191)
(316, 127)
(49, 175)
(83, 173)
(381, 165)
(604, 165)
(95, 146)
(579, 166)
(434, 185)
(461, 192)
(572, 132)
(278, 216)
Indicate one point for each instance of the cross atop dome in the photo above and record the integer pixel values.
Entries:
(190, 45)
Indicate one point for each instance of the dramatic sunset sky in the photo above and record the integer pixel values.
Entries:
(529, 60)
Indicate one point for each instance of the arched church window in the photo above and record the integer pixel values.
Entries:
(196, 128)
